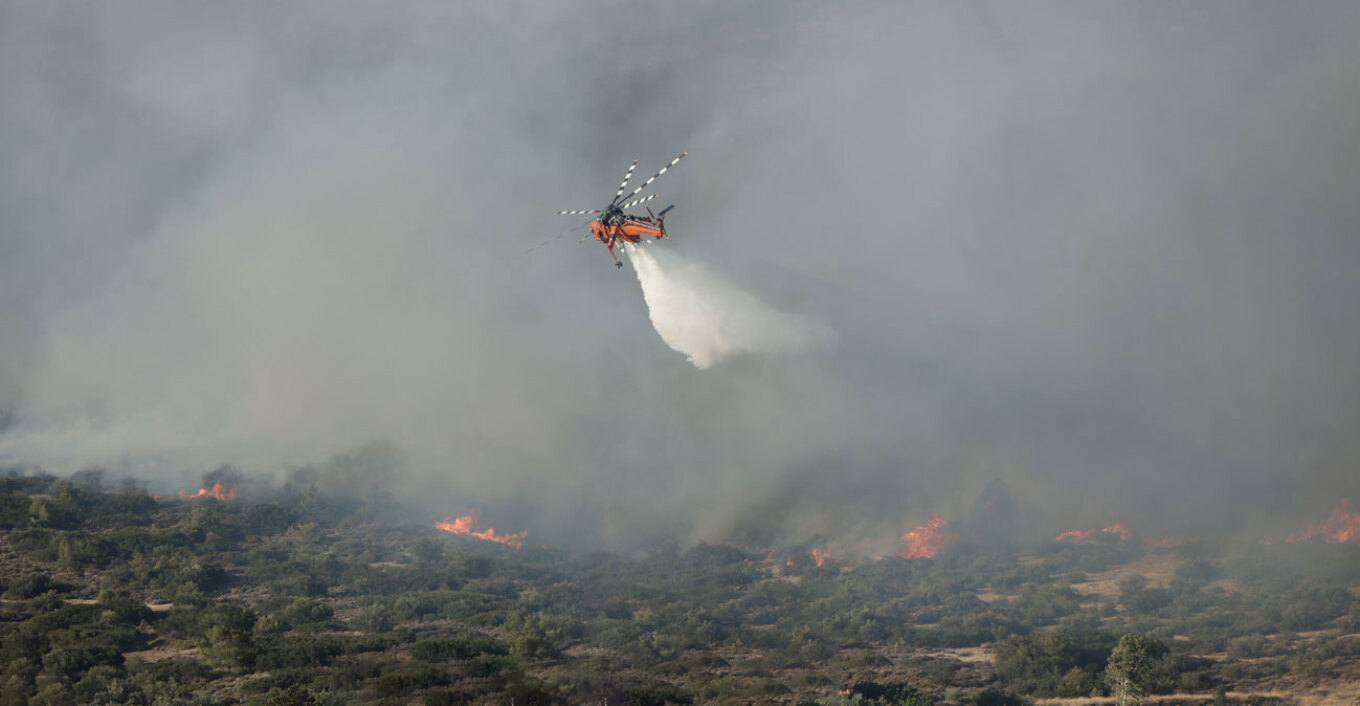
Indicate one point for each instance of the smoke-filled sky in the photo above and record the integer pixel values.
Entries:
(1105, 253)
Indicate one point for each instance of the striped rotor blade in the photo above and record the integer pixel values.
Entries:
(577, 213)
(642, 200)
(557, 237)
(626, 177)
(654, 176)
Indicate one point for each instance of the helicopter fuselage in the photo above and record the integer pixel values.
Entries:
(629, 229)
(613, 224)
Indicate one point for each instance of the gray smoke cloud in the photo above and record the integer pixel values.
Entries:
(1102, 252)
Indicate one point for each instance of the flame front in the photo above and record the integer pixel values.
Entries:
(464, 525)
(1343, 526)
(1093, 536)
(821, 556)
(924, 541)
(217, 492)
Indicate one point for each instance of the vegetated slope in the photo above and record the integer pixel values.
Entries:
(114, 596)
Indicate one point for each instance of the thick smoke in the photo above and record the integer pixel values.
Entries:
(1103, 252)
(708, 320)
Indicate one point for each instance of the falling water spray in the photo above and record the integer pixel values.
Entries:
(709, 320)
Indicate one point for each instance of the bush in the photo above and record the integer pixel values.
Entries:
(1138, 598)
(297, 652)
(1311, 607)
(400, 684)
(899, 693)
(230, 647)
(441, 696)
(991, 696)
(531, 635)
(292, 696)
(72, 662)
(464, 647)
(1039, 663)
(304, 611)
(374, 619)
(30, 585)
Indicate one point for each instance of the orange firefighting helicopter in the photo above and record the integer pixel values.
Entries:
(615, 225)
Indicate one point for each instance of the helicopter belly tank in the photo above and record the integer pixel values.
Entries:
(639, 229)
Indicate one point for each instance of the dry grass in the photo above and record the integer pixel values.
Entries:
(1234, 697)
(158, 654)
(968, 655)
(1331, 695)
(1158, 568)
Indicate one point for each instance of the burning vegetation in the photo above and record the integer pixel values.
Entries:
(467, 523)
(816, 556)
(1342, 527)
(218, 492)
(300, 586)
(925, 541)
(1118, 530)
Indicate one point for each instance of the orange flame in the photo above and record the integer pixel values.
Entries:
(464, 524)
(924, 541)
(217, 492)
(821, 556)
(1093, 536)
(1343, 526)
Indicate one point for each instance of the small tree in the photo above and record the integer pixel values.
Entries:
(40, 513)
(530, 635)
(429, 551)
(294, 695)
(1128, 670)
(230, 647)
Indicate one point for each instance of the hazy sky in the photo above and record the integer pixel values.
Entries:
(1103, 252)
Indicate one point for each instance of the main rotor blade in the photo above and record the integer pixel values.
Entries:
(654, 176)
(556, 237)
(644, 199)
(626, 177)
(577, 213)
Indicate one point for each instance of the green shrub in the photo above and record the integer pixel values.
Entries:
(30, 585)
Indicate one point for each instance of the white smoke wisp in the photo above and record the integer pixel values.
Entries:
(709, 320)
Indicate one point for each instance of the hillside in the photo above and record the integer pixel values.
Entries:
(112, 595)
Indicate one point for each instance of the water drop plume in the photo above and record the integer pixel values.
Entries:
(708, 319)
